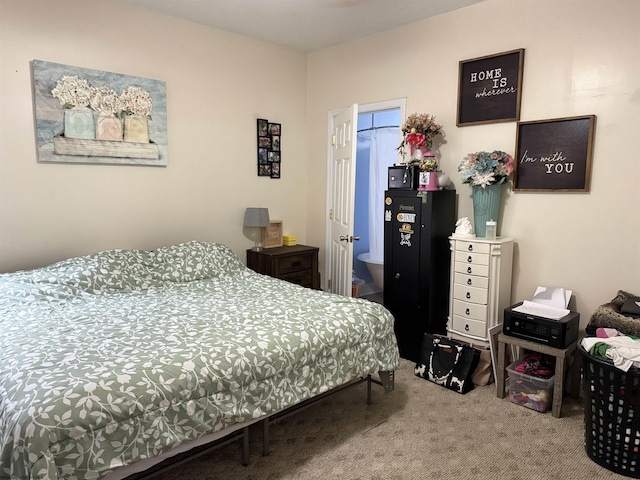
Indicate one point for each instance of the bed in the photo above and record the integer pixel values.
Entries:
(124, 356)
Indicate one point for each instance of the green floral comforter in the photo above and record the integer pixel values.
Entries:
(114, 357)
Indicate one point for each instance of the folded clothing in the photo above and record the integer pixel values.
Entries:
(537, 365)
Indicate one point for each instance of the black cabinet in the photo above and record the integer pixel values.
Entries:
(417, 263)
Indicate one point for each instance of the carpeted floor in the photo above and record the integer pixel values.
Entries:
(418, 431)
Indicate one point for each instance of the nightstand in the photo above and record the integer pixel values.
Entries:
(297, 264)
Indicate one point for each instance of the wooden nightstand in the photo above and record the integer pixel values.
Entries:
(297, 264)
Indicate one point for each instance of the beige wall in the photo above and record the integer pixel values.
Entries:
(217, 83)
(581, 57)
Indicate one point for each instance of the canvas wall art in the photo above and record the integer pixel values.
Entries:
(91, 116)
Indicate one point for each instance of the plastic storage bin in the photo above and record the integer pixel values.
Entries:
(529, 391)
(611, 414)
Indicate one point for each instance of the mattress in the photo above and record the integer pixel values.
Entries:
(111, 358)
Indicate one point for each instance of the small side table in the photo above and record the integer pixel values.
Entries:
(296, 264)
(561, 355)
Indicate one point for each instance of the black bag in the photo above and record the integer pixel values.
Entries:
(447, 363)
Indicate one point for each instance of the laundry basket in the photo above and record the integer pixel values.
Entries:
(612, 415)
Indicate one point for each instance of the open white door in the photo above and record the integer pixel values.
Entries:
(341, 199)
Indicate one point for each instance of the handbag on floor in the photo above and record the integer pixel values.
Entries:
(447, 363)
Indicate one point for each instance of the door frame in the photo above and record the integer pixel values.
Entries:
(400, 103)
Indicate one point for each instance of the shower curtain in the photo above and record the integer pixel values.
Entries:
(383, 155)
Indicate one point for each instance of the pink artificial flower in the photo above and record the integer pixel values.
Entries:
(415, 139)
(510, 165)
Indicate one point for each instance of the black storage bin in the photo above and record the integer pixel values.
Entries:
(611, 414)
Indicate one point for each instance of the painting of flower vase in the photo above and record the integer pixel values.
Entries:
(92, 116)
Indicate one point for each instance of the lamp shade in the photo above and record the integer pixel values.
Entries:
(256, 217)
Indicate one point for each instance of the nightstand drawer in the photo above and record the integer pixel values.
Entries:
(295, 263)
(300, 278)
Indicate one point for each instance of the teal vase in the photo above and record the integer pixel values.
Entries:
(486, 206)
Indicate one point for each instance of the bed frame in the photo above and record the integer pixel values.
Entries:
(387, 381)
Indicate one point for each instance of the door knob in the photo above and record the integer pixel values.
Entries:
(356, 239)
(344, 238)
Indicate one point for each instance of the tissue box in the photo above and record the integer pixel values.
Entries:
(289, 240)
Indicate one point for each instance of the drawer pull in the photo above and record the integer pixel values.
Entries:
(467, 311)
(468, 295)
(471, 248)
(397, 275)
(469, 259)
(468, 269)
(466, 327)
(469, 281)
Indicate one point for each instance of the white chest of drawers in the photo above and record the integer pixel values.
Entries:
(480, 286)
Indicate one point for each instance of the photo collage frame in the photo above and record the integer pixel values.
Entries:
(269, 148)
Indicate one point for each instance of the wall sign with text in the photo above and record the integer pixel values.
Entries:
(490, 88)
(554, 155)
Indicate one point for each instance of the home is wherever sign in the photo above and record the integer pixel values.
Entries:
(490, 88)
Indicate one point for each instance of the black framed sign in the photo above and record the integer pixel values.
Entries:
(490, 88)
(269, 152)
(554, 155)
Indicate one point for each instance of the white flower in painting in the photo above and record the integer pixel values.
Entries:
(72, 91)
(105, 100)
(137, 101)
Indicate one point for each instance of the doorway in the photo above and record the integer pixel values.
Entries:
(341, 259)
(377, 139)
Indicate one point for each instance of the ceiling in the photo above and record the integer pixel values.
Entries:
(305, 25)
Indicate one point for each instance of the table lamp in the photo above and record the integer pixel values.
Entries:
(256, 218)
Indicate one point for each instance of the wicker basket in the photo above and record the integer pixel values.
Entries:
(612, 415)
